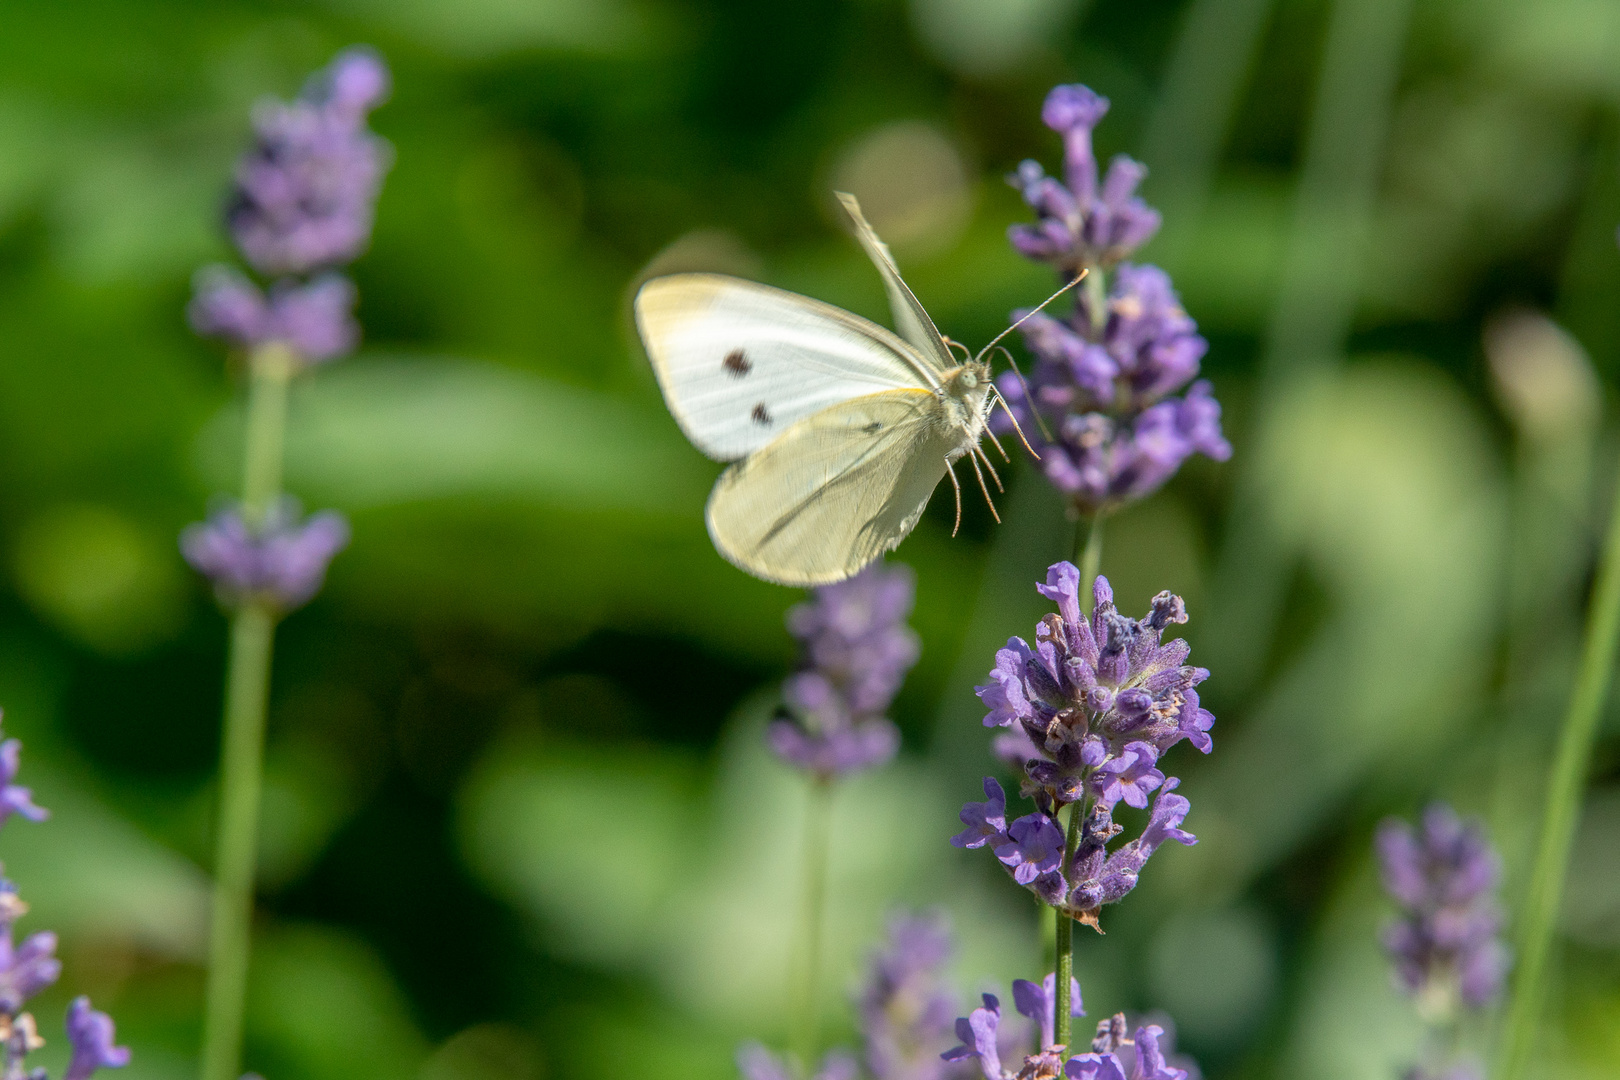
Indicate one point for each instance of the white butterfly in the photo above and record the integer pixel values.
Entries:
(843, 428)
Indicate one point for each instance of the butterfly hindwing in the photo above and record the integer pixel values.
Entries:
(836, 490)
(740, 363)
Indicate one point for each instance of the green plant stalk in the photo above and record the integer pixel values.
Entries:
(1062, 1022)
(1539, 916)
(817, 828)
(1088, 556)
(247, 692)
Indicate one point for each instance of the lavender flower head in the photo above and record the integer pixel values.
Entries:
(14, 798)
(281, 564)
(1089, 710)
(1445, 947)
(856, 650)
(906, 1011)
(1113, 1055)
(314, 319)
(306, 192)
(1105, 372)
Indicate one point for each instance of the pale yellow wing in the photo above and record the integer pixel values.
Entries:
(834, 491)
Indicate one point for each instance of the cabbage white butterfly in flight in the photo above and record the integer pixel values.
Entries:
(839, 428)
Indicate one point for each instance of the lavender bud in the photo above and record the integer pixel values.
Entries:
(282, 563)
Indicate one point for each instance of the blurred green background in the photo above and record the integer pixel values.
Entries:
(519, 824)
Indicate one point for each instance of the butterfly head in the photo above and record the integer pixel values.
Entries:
(969, 379)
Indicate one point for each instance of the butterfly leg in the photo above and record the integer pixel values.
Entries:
(984, 457)
(950, 467)
(984, 488)
(1016, 427)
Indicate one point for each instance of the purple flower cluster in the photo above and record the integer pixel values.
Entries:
(28, 968)
(304, 202)
(1113, 1055)
(281, 564)
(1090, 710)
(1444, 876)
(904, 1017)
(857, 649)
(1105, 372)
(905, 1008)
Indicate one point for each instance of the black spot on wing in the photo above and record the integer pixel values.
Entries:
(873, 428)
(761, 415)
(737, 364)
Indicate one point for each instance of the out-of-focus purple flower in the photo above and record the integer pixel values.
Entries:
(755, 1062)
(91, 1034)
(281, 564)
(14, 797)
(1105, 369)
(1079, 224)
(28, 968)
(306, 192)
(315, 320)
(905, 1007)
(857, 649)
(1093, 705)
(1445, 947)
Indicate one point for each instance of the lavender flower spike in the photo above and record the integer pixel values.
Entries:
(905, 1008)
(314, 320)
(281, 564)
(305, 193)
(1444, 876)
(91, 1034)
(14, 798)
(856, 650)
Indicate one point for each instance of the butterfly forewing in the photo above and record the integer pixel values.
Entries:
(836, 490)
(910, 319)
(740, 363)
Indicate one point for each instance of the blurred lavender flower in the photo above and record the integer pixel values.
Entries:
(91, 1034)
(28, 968)
(757, 1063)
(315, 320)
(1445, 946)
(14, 798)
(306, 192)
(905, 1009)
(1092, 708)
(857, 649)
(1104, 372)
(281, 564)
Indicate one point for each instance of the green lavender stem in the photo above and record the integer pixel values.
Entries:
(817, 828)
(1089, 556)
(1538, 918)
(1062, 1022)
(247, 691)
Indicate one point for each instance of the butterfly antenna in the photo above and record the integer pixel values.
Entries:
(1014, 418)
(984, 488)
(984, 457)
(1031, 314)
(950, 467)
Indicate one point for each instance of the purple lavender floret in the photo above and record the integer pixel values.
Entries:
(1105, 370)
(856, 650)
(91, 1034)
(755, 1062)
(14, 797)
(1112, 1056)
(306, 192)
(1091, 710)
(905, 1008)
(1079, 224)
(28, 968)
(1444, 874)
(314, 319)
(282, 563)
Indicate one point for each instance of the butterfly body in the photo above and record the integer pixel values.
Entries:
(839, 429)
